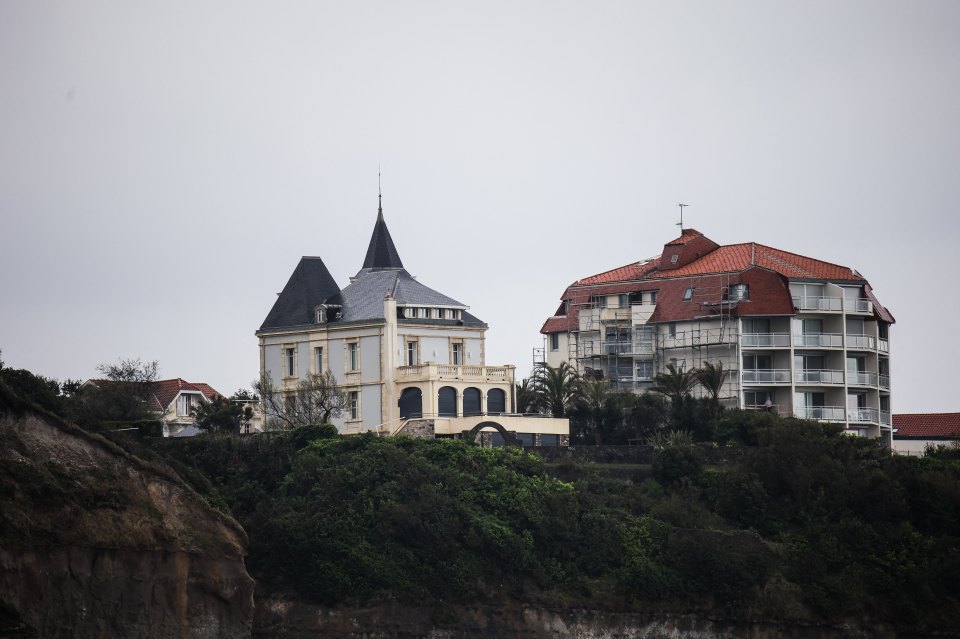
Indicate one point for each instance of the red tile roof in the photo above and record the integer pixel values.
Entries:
(164, 391)
(926, 425)
(705, 258)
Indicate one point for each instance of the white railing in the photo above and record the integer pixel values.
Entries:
(448, 371)
(885, 418)
(812, 303)
(814, 376)
(884, 381)
(863, 378)
(883, 345)
(821, 413)
(766, 376)
(766, 340)
(819, 340)
(861, 341)
(857, 306)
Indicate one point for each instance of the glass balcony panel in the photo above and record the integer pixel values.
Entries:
(819, 377)
(766, 376)
(819, 340)
(884, 381)
(858, 306)
(861, 341)
(822, 413)
(808, 303)
(863, 415)
(766, 340)
(863, 378)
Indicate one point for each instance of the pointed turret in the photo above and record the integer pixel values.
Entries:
(381, 254)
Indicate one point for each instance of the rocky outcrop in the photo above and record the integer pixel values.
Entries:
(97, 543)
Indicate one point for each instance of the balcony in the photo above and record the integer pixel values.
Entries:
(883, 345)
(685, 339)
(862, 342)
(819, 340)
(765, 340)
(885, 418)
(884, 381)
(819, 377)
(857, 306)
(432, 372)
(617, 348)
(860, 415)
(766, 376)
(822, 413)
(824, 304)
(863, 378)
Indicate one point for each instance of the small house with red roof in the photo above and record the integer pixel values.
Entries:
(172, 402)
(913, 432)
(799, 335)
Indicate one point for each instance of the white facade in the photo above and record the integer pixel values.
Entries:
(816, 349)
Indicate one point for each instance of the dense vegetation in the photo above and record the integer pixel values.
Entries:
(804, 523)
(788, 520)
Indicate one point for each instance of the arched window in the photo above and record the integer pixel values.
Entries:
(471, 401)
(496, 401)
(411, 403)
(447, 402)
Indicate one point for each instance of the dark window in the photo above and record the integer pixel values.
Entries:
(526, 439)
(496, 401)
(554, 341)
(471, 401)
(447, 402)
(549, 440)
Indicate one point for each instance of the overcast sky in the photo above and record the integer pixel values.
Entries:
(164, 165)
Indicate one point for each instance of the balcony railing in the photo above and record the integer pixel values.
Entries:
(883, 345)
(857, 306)
(766, 376)
(867, 342)
(618, 348)
(766, 340)
(871, 415)
(885, 418)
(884, 381)
(822, 413)
(819, 340)
(813, 376)
(466, 373)
(818, 303)
(863, 378)
(699, 338)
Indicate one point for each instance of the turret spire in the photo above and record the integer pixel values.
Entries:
(381, 254)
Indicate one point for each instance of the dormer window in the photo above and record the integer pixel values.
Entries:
(674, 259)
(688, 294)
(321, 315)
(739, 292)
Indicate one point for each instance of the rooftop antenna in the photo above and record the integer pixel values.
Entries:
(680, 223)
(379, 194)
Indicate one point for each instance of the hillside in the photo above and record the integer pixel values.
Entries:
(94, 542)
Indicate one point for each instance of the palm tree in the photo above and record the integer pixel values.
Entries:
(711, 377)
(675, 383)
(528, 400)
(594, 397)
(558, 387)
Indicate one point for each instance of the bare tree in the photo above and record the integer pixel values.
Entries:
(315, 400)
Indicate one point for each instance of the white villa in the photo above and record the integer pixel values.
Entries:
(410, 360)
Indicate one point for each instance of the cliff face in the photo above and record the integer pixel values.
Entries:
(96, 543)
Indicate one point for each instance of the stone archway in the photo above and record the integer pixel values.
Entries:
(509, 439)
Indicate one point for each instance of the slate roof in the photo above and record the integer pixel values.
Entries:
(381, 253)
(311, 284)
(362, 300)
(926, 425)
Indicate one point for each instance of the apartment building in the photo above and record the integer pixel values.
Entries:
(410, 359)
(799, 336)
